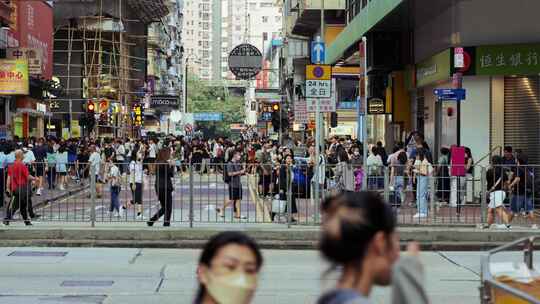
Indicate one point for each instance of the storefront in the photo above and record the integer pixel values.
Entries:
(502, 105)
(30, 119)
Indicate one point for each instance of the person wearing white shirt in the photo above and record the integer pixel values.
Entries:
(94, 163)
(136, 176)
(374, 166)
(152, 153)
(120, 156)
(113, 178)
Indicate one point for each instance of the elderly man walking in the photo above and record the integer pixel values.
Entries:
(19, 187)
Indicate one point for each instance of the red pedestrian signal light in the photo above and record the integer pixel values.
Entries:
(90, 107)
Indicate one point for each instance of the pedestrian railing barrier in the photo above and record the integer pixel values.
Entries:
(175, 192)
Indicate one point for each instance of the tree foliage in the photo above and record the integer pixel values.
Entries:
(203, 98)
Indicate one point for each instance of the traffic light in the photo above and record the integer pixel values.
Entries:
(276, 117)
(90, 121)
(90, 107)
(275, 107)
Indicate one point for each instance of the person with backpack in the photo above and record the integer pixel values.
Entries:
(521, 190)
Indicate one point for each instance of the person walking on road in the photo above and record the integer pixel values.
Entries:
(497, 180)
(19, 187)
(164, 187)
(234, 170)
(113, 177)
(40, 153)
(228, 270)
(136, 175)
(94, 164)
(422, 170)
(521, 189)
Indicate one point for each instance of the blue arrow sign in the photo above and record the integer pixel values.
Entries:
(450, 94)
(318, 52)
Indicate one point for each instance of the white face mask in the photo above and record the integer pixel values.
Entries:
(236, 288)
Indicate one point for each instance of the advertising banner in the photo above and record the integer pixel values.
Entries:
(14, 77)
(34, 30)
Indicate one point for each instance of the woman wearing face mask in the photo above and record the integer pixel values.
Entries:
(359, 236)
(228, 270)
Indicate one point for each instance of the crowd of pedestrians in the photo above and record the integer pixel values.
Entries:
(276, 172)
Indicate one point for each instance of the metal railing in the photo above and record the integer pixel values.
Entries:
(264, 193)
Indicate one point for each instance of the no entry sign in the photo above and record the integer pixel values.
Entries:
(245, 61)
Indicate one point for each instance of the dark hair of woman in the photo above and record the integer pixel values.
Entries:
(402, 158)
(363, 215)
(343, 156)
(219, 241)
(421, 154)
(163, 156)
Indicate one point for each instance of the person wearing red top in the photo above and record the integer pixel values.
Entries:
(19, 188)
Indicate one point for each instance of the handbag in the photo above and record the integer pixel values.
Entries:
(278, 205)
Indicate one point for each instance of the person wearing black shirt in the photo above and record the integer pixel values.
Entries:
(521, 190)
(497, 179)
(40, 153)
(164, 187)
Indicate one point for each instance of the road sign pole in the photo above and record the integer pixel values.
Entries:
(318, 128)
(365, 106)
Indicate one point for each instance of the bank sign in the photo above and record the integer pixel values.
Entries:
(508, 60)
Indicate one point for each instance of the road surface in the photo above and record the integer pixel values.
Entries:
(103, 276)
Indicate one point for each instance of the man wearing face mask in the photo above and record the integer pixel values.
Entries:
(359, 235)
(228, 270)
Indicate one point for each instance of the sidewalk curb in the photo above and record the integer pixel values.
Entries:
(430, 239)
(47, 201)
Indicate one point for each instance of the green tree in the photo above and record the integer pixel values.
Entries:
(203, 98)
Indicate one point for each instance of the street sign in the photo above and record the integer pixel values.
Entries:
(459, 57)
(318, 88)
(171, 101)
(376, 106)
(300, 112)
(318, 52)
(326, 104)
(450, 94)
(318, 72)
(245, 61)
(208, 116)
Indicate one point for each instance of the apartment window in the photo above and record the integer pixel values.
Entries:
(264, 19)
(206, 54)
(206, 44)
(206, 25)
(252, 6)
(278, 19)
(267, 4)
(237, 28)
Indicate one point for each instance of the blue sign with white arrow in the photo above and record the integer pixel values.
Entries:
(450, 94)
(318, 52)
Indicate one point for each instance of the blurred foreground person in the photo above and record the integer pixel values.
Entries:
(359, 237)
(228, 270)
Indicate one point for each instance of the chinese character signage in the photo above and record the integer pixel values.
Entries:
(508, 60)
(326, 104)
(13, 77)
(300, 112)
(318, 88)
